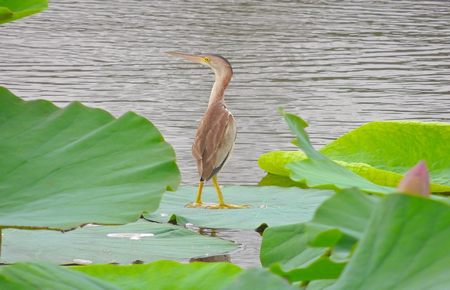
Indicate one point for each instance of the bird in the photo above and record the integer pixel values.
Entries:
(216, 132)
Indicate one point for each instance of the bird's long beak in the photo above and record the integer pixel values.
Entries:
(191, 57)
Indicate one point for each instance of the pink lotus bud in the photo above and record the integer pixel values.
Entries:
(416, 180)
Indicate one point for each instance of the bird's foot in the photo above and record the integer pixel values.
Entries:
(215, 205)
(225, 206)
(195, 205)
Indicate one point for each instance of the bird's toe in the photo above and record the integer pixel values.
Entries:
(226, 206)
(194, 205)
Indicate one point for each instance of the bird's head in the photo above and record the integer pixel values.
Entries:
(217, 63)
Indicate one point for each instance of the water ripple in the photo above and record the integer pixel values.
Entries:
(337, 63)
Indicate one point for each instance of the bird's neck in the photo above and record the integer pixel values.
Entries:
(218, 89)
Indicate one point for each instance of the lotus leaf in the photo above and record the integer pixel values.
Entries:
(319, 249)
(268, 205)
(382, 152)
(279, 180)
(319, 284)
(287, 250)
(166, 275)
(318, 170)
(24, 276)
(157, 275)
(61, 168)
(140, 241)
(11, 10)
(348, 210)
(405, 246)
(260, 279)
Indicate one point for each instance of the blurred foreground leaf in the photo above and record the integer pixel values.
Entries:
(405, 246)
(161, 275)
(11, 10)
(24, 276)
(61, 168)
(318, 249)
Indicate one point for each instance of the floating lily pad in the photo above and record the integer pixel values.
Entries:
(141, 241)
(405, 247)
(61, 168)
(268, 205)
(11, 10)
(381, 152)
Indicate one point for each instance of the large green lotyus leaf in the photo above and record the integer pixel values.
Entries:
(287, 251)
(348, 210)
(61, 168)
(320, 171)
(11, 10)
(24, 276)
(321, 248)
(260, 279)
(161, 275)
(165, 275)
(405, 246)
(382, 152)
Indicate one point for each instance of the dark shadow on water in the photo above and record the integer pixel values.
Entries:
(218, 258)
(248, 242)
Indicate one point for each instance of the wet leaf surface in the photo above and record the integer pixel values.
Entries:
(142, 241)
(268, 205)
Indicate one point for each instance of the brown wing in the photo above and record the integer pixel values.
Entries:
(214, 140)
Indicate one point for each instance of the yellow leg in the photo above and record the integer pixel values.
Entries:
(198, 199)
(218, 190)
(222, 204)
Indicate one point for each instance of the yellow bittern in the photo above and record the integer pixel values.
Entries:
(216, 132)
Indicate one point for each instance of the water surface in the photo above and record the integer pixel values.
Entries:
(338, 64)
